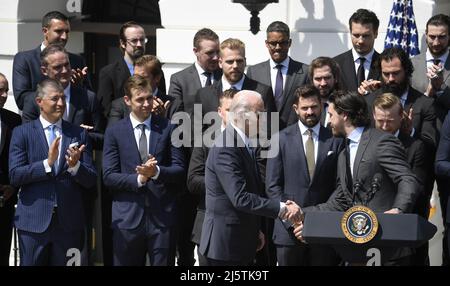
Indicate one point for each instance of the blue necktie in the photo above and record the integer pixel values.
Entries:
(278, 87)
(51, 134)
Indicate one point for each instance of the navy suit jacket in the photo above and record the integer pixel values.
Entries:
(27, 74)
(287, 176)
(40, 191)
(442, 166)
(120, 158)
(234, 201)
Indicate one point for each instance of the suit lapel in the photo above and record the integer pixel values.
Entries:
(64, 145)
(195, 78)
(129, 133)
(373, 71)
(324, 146)
(73, 105)
(39, 134)
(446, 72)
(409, 100)
(298, 150)
(363, 143)
(155, 135)
(349, 70)
(3, 131)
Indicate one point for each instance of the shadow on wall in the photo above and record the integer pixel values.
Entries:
(314, 44)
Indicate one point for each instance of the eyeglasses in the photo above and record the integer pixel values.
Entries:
(134, 42)
(273, 45)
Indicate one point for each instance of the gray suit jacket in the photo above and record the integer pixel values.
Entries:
(378, 153)
(420, 81)
(297, 75)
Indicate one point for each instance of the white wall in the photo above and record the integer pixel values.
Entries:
(318, 27)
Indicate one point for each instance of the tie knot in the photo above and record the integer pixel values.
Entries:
(142, 127)
(309, 132)
(436, 61)
(207, 74)
(279, 67)
(362, 60)
(51, 128)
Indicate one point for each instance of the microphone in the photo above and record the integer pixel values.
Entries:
(357, 186)
(374, 186)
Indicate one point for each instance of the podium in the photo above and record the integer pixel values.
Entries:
(395, 231)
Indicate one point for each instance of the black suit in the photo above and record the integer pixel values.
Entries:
(288, 178)
(348, 73)
(297, 75)
(27, 74)
(8, 120)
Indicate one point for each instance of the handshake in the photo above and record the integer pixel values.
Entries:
(295, 217)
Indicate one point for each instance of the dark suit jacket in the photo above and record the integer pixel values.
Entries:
(120, 110)
(184, 85)
(297, 75)
(120, 158)
(40, 191)
(442, 166)
(424, 116)
(234, 202)
(27, 74)
(84, 109)
(348, 73)
(287, 176)
(378, 153)
(9, 120)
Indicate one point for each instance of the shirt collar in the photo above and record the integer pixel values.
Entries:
(356, 134)
(397, 133)
(200, 70)
(42, 46)
(443, 58)
(130, 66)
(368, 57)
(135, 122)
(284, 63)
(46, 124)
(303, 128)
(226, 85)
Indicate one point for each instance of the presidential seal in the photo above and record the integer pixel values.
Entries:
(359, 224)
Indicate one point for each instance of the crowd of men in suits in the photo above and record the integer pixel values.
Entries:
(340, 121)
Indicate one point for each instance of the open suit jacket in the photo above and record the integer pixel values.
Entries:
(420, 81)
(120, 158)
(297, 75)
(348, 73)
(40, 191)
(27, 74)
(287, 176)
(378, 153)
(234, 201)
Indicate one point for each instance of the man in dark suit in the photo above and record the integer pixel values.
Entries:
(149, 67)
(82, 108)
(51, 161)
(280, 72)
(8, 121)
(196, 173)
(234, 192)
(369, 152)
(204, 72)
(112, 77)
(304, 171)
(360, 63)
(325, 74)
(388, 116)
(142, 168)
(27, 64)
(442, 169)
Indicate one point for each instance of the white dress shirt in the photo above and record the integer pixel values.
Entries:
(226, 85)
(355, 138)
(367, 63)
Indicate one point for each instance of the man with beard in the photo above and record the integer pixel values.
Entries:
(112, 77)
(27, 64)
(304, 171)
(324, 74)
(368, 152)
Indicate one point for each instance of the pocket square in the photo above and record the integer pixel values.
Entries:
(330, 153)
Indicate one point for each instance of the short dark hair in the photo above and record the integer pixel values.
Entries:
(136, 82)
(306, 91)
(50, 50)
(227, 94)
(326, 61)
(353, 105)
(48, 82)
(364, 17)
(125, 26)
(204, 34)
(439, 20)
(395, 52)
(53, 15)
(279, 27)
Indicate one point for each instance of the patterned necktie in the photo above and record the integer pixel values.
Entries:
(278, 87)
(143, 146)
(361, 73)
(310, 153)
(51, 134)
(208, 78)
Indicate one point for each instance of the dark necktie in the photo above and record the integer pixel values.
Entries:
(347, 163)
(360, 75)
(208, 78)
(310, 153)
(436, 61)
(278, 87)
(143, 146)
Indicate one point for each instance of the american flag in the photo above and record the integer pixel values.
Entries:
(402, 30)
